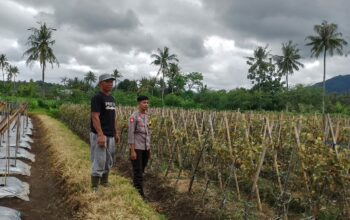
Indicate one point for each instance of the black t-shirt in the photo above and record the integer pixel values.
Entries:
(105, 105)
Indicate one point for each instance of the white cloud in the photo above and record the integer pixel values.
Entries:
(11, 5)
(196, 3)
(227, 63)
(75, 65)
(311, 65)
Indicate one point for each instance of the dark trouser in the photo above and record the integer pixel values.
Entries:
(138, 167)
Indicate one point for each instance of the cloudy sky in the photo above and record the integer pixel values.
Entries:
(212, 37)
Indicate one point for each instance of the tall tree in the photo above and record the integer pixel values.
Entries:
(40, 44)
(12, 72)
(180, 82)
(144, 85)
(262, 71)
(3, 65)
(128, 85)
(153, 84)
(326, 40)
(174, 71)
(64, 80)
(90, 78)
(289, 60)
(117, 75)
(194, 79)
(162, 59)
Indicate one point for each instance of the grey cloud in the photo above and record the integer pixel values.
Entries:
(88, 15)
(189, 45)
(124, 28)
(274, 22)
(95, 16)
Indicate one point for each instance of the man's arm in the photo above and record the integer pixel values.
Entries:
(101, 139)
(131, 137)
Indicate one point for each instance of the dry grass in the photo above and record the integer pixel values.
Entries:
(70, 157)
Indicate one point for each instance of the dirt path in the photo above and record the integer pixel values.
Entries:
(45, 195)
(164, 198)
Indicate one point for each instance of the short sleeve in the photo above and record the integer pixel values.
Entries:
(96, 104)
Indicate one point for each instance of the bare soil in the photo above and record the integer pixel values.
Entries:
(163, 197)
(46, 196)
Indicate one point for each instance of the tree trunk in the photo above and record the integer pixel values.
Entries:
(287, 90)
(43, 80)
(3, 76)
(163, 88)
(324, 82)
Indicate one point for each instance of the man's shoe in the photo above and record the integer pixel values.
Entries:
(104, 180)
(94, 182)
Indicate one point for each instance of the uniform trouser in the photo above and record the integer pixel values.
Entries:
(101, 157)
(138, 167)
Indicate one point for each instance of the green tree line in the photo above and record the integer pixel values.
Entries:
(173, 87)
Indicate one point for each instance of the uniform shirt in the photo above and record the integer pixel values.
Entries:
(139, 132)
(105, 105)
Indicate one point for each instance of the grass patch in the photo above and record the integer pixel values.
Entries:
(70, 157)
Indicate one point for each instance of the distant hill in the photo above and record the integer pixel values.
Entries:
(337, 84)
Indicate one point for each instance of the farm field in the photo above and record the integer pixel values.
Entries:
(45, 174)
(204, 165)
(243, 110)
(240, 165)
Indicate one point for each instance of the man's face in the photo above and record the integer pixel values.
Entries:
(107, 85)
(143, 105)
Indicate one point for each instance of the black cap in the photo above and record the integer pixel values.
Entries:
(142, 98)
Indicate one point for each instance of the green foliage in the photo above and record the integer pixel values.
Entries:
(326, 40)
(128, 85)
(330, 214)
(155, 101)
(40, 44)
(194, 80)
(162, 59)
(125, 98)
(288, 61)
(262, 72)
(27, 90)
(316, 181)
(173, 100)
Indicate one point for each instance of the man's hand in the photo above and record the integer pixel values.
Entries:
(133, 155)
(117, 138)
(101, 140)
(149, 154)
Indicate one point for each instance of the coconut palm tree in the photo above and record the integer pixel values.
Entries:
(64, 80)
(40, 44)
(12, 72)
(153, 83)
(3, 65)
(174, 70)
(90, 78)
(116, 74)
(162, 59)
(259, 65)
(288, 61)
(326, 40)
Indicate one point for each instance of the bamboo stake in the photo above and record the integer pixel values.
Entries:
(179, 157)
(232, 158)
(297, 136)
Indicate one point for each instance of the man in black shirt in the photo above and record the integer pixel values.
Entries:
(103, 135)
